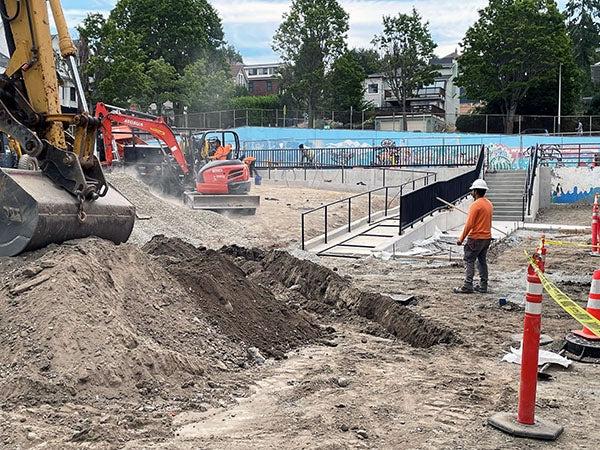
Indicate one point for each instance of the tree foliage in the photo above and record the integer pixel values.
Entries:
(205, 86)
(179, 32)
(406, 49)
(368, 59)
(514, 50)
(582, 23)
(310, 38)
(346, 89)
(147, 50)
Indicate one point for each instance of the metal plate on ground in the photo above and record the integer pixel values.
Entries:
(583, 350)
(402, 299)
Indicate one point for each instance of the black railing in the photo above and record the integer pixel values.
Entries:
(388, 200)
(413, 206)
(532, 166)
(417, 205)
(348, 157)
(569, 155)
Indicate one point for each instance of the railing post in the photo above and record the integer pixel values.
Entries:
(349, 214)
(326, 224)
(302, 218)
(386, 200)
(400, 213)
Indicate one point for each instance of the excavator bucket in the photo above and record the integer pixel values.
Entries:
(34, 212)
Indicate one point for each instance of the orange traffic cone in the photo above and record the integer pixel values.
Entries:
(593, 307)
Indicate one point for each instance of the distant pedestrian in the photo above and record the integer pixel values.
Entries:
(579, 128)
(306, 154)
(477, 236)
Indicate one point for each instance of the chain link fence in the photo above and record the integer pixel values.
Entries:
(389, 119)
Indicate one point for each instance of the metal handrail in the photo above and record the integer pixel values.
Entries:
(369, 193)
(529, 181)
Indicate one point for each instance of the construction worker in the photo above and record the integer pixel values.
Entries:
(477, 236)
(221, 153)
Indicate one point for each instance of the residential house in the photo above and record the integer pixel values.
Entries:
(238, 74)
(263, 79)
(441, 99)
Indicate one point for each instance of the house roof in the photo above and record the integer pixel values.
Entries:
(448, 59)
(236, 68)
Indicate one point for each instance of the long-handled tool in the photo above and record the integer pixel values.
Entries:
(466, 213)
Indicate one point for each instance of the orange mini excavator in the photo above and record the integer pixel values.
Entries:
(205, 174)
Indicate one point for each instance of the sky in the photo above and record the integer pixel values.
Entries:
(250, 24)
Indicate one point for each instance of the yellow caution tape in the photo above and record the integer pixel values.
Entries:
(563, 300)
(568, 244)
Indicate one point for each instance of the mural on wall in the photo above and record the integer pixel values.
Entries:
(575, 184)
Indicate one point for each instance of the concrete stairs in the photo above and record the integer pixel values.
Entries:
(506, 190)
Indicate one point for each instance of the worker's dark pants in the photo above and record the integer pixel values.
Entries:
(476, 249)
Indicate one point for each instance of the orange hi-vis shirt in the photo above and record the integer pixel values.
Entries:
(479, 221)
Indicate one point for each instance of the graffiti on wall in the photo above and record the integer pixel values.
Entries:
(575, 184)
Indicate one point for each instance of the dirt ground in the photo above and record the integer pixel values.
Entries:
(335, 362)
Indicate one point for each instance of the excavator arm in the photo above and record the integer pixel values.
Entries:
(155, 126)
(69, 197)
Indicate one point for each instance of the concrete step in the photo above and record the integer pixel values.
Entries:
(503, 204)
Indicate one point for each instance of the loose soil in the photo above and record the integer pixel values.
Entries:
(105, 346)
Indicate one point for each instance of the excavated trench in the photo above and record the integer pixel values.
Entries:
(325, 289)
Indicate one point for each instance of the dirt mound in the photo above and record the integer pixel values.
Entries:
(90, 320)
(244, 311)
(324, 290)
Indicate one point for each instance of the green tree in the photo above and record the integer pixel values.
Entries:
(406, 49)
(368, 59)
(346, 88)
(582, 16)
(514, 49)
(179, 32)
(163, 84)
(310, 38)
(205, 86)
(115, 63)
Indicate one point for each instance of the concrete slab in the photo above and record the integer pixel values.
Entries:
(554, 227)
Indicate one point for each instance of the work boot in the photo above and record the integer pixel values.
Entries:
(464, 289)
(481, 288)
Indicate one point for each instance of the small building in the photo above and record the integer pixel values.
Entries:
(439, 99)
(263, 79)
(239, 75)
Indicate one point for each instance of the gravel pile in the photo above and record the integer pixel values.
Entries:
(169, 217)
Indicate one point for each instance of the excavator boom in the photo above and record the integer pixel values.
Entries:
(68, 196)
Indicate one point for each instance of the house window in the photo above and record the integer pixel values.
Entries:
(73, 95)
(251, 71)
(373, 88)
(269, 86)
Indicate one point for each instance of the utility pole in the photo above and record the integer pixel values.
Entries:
(559, 95)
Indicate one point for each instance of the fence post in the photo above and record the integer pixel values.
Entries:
(486, 124)
(234, 120)
(393, 120)
(204, 120)
(247, 124)
(352, 122)
(553, 124)
(363, 119)
(220, 121)
(276, 117)
(590, 125)
(520, 121)
(332, 117)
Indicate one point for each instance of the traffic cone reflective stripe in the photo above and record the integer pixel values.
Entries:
(593, 306)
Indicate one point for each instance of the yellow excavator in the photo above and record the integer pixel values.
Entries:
(65, 196)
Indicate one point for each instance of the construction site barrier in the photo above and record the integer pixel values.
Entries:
(524, 424)
(593, 307)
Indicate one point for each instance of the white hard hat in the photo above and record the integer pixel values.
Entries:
(479, 184)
